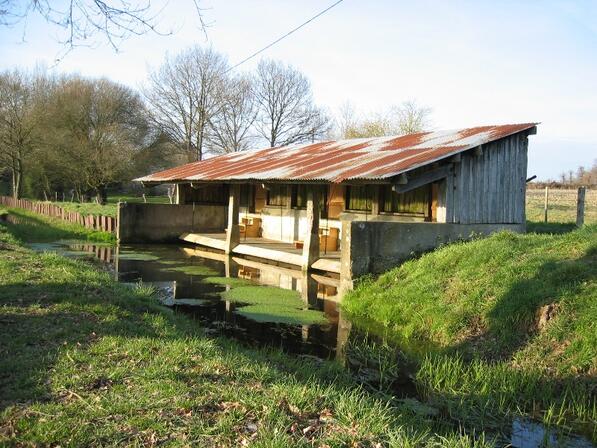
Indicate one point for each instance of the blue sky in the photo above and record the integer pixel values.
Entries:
(472, 62)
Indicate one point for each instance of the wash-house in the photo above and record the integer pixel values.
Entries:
(343, 208)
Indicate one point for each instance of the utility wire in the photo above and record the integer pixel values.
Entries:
(285, 35)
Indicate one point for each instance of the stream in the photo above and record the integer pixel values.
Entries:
(264, 305)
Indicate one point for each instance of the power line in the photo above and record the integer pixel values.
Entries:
(285, 35)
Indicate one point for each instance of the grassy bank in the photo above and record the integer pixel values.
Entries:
(33, 227)
(90, 362)
(109, 209)
(499, 326)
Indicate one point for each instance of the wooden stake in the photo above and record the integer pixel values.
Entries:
(546, 205)
(580, 207)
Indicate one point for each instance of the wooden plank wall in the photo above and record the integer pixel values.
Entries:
(95, 222)
(490, 187)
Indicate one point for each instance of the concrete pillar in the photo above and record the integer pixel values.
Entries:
(309, 290)
(355, 253)
(311, 243)
(233, 231)
(230, 267)
(346, 283)
(344, 327)
(124, 222)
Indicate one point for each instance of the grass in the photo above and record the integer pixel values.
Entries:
(109, 209)
(88, 208)
(472, 311)
(87, 361)
(33, 227)
(150, 199)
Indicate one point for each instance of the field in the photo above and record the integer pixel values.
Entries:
(562, 206)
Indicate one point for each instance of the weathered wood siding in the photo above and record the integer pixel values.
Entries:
(490, 187)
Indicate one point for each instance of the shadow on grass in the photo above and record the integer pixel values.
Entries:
(550, 227)
(513, 319)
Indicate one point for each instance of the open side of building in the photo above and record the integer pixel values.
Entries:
(345, 208)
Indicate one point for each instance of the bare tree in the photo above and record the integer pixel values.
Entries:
(347, 119)
(184, 94)
(84, 20)
(410, 118)
(231, 129)
(287, 113)
(407, 118)
(16, 125)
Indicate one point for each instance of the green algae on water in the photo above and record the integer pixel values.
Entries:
(265, 295)
(269, 304)
(228, 281)
(194, 269)
(136, 256)
(282, 314)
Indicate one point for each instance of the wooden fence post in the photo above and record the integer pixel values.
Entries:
(546, 204)
(580, 207)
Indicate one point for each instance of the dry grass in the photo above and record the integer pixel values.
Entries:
(562, 206)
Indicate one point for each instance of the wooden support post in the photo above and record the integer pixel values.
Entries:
(181, 194)
(375, 200)
(233, 231)
(311, 244)
(546, 204)
(580, 207)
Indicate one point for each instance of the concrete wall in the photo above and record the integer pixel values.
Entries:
(158, 223)
(378, 246)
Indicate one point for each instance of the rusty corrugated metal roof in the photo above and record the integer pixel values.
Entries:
(338, 161)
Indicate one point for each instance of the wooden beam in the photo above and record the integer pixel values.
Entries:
(423, 179)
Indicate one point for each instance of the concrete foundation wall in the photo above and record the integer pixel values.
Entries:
(160, 223)
(378, 246)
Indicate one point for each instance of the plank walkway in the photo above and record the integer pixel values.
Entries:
(266, 249)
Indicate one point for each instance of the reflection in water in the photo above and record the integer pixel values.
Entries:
(528, 434)
(194, 292)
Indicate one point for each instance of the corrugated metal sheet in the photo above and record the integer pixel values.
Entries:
(338, 161)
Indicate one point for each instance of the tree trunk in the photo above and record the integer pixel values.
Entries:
(102, 195)
(16, 182)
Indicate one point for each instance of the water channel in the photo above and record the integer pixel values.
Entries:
(263, 305)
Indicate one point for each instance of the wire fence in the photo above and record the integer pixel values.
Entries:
(562, 205)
